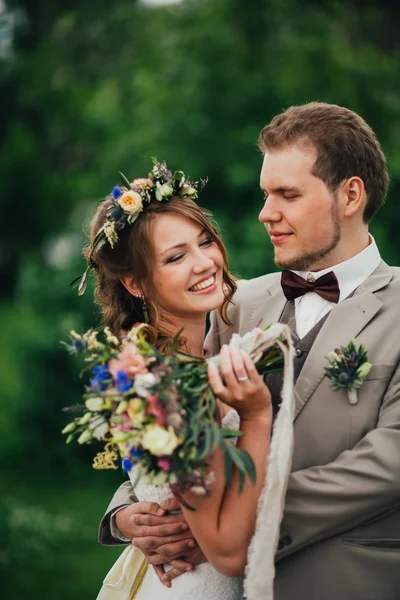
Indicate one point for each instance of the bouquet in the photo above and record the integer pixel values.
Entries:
(156, 412)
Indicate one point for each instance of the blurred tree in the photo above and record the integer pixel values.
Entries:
(90, 88)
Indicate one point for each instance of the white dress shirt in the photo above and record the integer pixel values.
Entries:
(310, 308)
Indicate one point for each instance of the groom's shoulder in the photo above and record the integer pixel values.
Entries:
(395, 279)
(396, 273)
(250, 290)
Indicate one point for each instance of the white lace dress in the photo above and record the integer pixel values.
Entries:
(203, 583)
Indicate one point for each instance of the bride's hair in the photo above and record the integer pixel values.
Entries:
(133, 256)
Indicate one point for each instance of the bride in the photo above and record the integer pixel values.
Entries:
(165, 265)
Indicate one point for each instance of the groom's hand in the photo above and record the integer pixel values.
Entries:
(165, 539)
(193, 558)
(161, 532)
(144, 519)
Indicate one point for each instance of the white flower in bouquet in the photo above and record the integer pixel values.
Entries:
(159, 440)
(95, 404)
(257, 341)
(144, 383)
(99, 427)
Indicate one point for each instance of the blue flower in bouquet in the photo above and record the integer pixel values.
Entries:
(78, 345)
(127, 464)
(101, 375)
(122, 381)
(135, 452)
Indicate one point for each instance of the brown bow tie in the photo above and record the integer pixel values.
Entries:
(326, 286)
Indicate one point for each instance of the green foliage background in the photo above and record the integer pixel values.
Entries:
(92, 87)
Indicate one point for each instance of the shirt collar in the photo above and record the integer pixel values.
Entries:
(352, 272)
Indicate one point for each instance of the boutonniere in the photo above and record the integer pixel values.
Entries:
(348, 367)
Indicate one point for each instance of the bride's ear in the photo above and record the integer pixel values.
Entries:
(130, 284)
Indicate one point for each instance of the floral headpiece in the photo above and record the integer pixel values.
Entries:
(161, 185)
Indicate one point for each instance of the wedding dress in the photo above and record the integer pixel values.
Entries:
(125, 581)
(131, 579)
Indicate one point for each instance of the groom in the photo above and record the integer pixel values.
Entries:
(324, 176)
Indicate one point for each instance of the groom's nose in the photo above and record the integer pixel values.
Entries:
(269, 212)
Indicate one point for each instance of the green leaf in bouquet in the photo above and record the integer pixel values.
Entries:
(207, 439)
(249, 464)
(231, 433)
(216, 435)
(265, 365)
(228, 465)
(192, 439)
(244, 463)
(175, 340)
(236, 458)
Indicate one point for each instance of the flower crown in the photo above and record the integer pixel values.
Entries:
(161, 184)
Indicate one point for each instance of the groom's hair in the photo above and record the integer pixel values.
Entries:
(345, 143)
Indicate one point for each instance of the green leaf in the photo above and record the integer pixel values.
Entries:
(207, 439)
(100, 242)
(236, 458)
(216, 435)
(83, 284)
(231, 433)
(75, 281)
(98, 235)
(125, 180)
(249, 464)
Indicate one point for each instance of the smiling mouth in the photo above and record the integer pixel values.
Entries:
(276, 238)
(203, 285)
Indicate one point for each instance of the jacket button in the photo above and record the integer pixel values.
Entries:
(298, 352)
(287, 540)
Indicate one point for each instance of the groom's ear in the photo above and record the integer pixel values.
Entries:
(354, 198)
(130, 284)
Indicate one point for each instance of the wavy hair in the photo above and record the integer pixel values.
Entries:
(133, 256)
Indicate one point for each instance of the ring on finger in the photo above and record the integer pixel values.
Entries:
(245, 378)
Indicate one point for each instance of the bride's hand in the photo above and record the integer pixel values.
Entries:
(239, 384)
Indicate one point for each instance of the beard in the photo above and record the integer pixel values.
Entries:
(313, 257)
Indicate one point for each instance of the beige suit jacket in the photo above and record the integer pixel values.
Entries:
(341, 526)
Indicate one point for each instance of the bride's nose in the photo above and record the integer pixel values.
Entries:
(202, 263)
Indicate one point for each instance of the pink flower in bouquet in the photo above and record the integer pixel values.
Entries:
(155, 408)
(164, 464)
(129, 360)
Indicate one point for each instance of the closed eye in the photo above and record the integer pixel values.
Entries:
(176, 257)
(173, 259)
(207, 241)
(284, 193)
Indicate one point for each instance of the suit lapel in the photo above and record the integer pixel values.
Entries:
(269, 309)
(346, 320)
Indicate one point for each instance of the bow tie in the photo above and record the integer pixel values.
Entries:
(326, 286)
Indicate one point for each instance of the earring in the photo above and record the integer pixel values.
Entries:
(144, 308)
